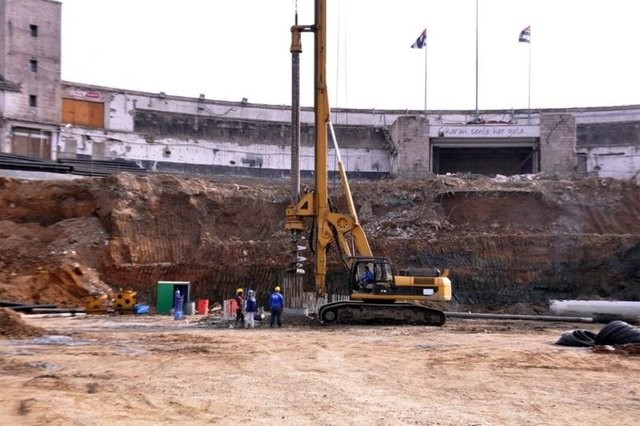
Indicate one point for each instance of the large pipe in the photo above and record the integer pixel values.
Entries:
(597, 309)
(516, 317)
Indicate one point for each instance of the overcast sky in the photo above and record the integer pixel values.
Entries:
(582, 52)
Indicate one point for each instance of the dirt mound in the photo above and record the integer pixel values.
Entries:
(12, 326)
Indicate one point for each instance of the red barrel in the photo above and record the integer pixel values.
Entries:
(203, 306)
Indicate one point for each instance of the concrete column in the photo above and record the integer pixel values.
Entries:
(410, 134)
(5, 139)
(558, 144)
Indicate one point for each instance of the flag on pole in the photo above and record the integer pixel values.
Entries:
(421, 41)
(525, 35)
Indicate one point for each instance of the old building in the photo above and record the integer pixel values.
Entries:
(30, 91)
(177, 134)
(66, 121)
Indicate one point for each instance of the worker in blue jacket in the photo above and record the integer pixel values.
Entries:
(250, 308)
(276, 305)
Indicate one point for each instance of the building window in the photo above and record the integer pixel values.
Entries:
(34, 30)
(31, 142)
(581, 167)
(33, 100)
(33, 65)
(83, 113)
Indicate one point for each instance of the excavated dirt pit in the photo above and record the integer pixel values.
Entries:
(511, 243)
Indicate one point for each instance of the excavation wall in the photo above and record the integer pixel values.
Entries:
(510, 245)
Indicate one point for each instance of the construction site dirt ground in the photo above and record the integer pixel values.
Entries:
(151, 370)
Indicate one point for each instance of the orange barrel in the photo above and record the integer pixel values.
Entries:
(230, 307)
(124, 300)
(203, 306)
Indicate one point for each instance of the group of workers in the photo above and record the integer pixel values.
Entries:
(246, 309)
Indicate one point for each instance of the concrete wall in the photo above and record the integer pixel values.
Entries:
(145, 126)
(163, 129)
(154, 124)
(621, 162)
(610, 149)
(558, 144)
(173, 153)
(410, 134)
(608, 134)
(122, 104)
(20, 47)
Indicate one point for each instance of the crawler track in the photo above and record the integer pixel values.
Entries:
(354, 312)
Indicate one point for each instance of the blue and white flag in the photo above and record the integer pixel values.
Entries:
(421, 41)
(525, 35)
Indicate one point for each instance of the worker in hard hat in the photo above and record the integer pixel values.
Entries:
(276, 305)
(250, 307)
(239, 299)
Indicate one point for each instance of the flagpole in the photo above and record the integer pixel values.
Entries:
(529, 99)
(426, 46)
(421, 43)
(525, 37)
(477, 119)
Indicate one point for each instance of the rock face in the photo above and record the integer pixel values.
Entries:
(511, 244)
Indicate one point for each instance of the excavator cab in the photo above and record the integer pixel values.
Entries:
(371, 275)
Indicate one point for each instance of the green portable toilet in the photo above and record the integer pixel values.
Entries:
(165, 295)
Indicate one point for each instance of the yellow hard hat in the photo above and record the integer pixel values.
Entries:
(277, 289)
(239, 290)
